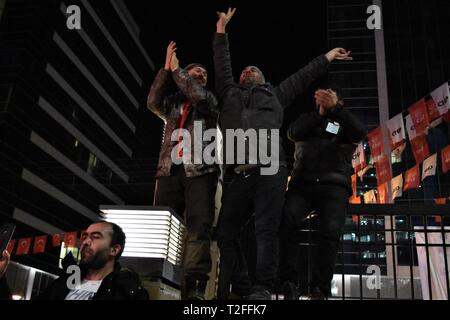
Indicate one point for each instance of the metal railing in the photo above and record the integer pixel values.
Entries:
(393, 251)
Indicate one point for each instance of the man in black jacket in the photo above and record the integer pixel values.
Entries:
(188, 185)
(325, 140)
(100, 276)
(253, 105)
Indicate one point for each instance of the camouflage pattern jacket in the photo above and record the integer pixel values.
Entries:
(203, 109)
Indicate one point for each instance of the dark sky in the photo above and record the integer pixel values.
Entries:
(279, 38)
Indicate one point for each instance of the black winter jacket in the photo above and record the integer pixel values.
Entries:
(321, 156)
(121, 284)
(260, 107)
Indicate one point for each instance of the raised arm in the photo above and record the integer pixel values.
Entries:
(222, 58)
(299, 82)
(333, 108)
(156, 101)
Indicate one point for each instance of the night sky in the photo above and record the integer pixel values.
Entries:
(279, 38)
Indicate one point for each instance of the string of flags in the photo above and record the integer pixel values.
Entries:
(40, 243)
(426, 113)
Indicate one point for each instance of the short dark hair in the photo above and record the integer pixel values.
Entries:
(117, 237)
(193, 65)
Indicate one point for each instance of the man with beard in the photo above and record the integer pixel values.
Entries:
(188, 186)
(101, 276)
(255, 105)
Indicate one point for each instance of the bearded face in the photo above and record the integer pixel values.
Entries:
(199, 74)
(251, 76)
(96, 248)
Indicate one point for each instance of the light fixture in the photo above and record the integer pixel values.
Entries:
(151, 232)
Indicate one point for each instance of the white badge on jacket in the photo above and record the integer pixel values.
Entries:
(333, 127)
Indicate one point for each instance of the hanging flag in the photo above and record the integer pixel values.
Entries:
(397, 187)
(39, 244)
(446, 117)
(445, 155)
(429, 166)
(410, 128)
(396, 155)
(376, 144)
(359, 158)
(419, 146)
(361, 173)
(370, 197)
(23, 246)
(433, 112)
(383, 169)
(412, 178)
(396, 131)
(56, 240)
(10, 246)
(419, 116)
(441, 99)
(382, 194)
(70, 239)
(440, 201)
(354, 199)
(354, 183)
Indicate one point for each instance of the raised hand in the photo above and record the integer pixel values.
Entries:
(4, 261)
(339, 54)
(171, 49)
(174, 63)
(326, 99)
(224, 18)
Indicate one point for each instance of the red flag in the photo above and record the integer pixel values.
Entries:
(376, 144)
(446, 117)
(382, 194)
(70, 239)
(354, 183)
(412, 178)
(23, 246)
(354, 199)
(56, 240)
(445, 155)
(420, 148)
(440, 201)
(39, 244)
(383, 169)
(419, 116)
(433, 112)
(10, 246)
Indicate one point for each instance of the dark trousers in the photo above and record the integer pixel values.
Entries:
(193, 196)
(245, 195)
(330, 203)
